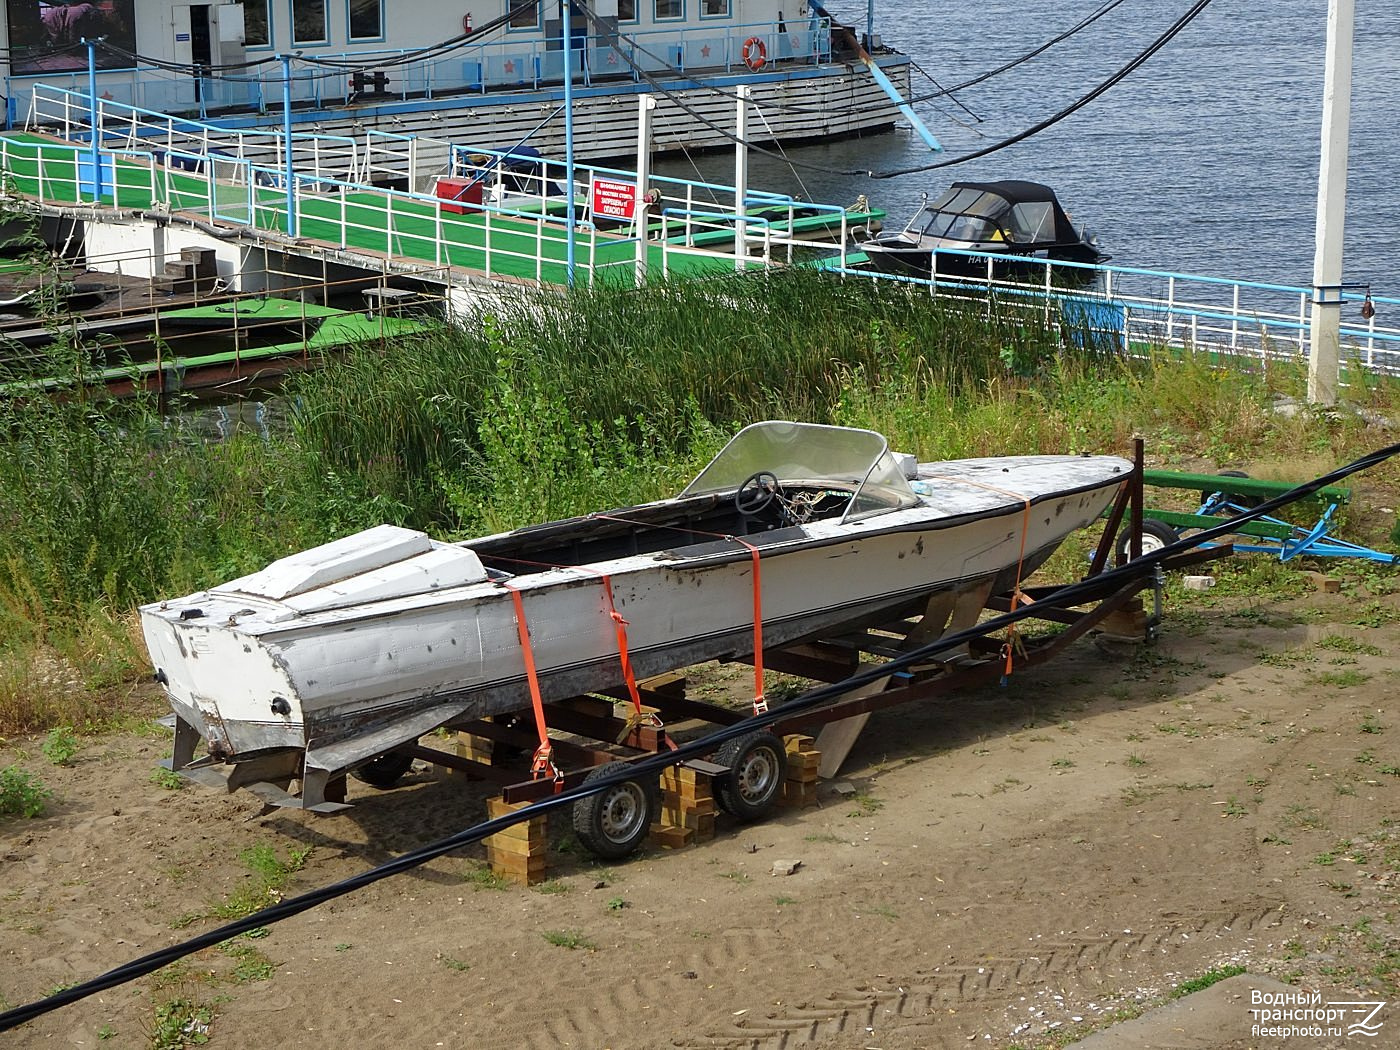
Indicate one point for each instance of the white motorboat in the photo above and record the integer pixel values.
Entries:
(327, 659)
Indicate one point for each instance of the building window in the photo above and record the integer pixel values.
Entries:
(256, 30)
(626, 10)
(669, 9)
(714, 8)
(366, 20)
(524, 14)
(309, 22)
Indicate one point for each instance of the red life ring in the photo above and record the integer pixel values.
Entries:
(755, 53)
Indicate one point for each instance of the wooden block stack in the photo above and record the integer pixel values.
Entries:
(519, 853)
(803, 759)
(475, 748)
(1126, 623)
(687, 809)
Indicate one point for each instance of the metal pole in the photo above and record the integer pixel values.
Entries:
(645, 104)
(741, 177)
(569, 135)
(287, 145)
(94, 119)
(1325, 351)
(869, 24)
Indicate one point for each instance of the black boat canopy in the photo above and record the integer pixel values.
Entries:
(1026, 212)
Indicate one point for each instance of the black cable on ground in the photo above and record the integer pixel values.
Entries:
(1066, 596)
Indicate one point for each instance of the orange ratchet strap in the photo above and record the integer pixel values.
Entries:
(543, 763)
(760, 703)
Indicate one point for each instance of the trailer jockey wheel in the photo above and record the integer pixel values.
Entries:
(1155, 535)
(757, 768)
(386, 770)
(614, 822)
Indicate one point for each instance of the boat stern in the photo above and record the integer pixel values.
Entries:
(198, 656)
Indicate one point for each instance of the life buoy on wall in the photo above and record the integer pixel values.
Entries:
(755, 53)
(467, 24)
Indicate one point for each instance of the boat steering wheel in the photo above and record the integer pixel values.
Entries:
(759, 490)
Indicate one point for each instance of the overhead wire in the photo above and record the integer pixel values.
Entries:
(1067, 596)
(1161, 42)
(657, 84)
(1078, 27)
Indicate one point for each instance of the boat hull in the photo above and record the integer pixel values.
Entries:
(341, 686)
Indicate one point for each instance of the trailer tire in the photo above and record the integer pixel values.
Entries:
(386, 770)
(757, 768)
(613, 823)
(1155, 535)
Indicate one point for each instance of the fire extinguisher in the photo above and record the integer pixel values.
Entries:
(467, 24)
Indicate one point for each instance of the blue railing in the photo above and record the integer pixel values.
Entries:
(1137, 309)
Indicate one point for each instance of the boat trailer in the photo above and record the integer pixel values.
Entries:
(750, 775)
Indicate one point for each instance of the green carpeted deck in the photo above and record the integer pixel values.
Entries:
(375, 222)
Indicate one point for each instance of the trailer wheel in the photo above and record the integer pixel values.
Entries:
(386, 770)
(1155, 535)
(757, 768)
(613, 823)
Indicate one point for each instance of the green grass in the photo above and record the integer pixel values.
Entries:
(268, 874)
(571, 939)
(1205, 980)
(22, 794)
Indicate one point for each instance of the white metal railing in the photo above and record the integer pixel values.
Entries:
(494, 62)
(341, 184)
(123, 127)
(226, 175)
(1136, 309)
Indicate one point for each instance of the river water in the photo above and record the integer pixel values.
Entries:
(1205, 160)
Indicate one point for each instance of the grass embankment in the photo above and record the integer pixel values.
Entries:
(551, 407)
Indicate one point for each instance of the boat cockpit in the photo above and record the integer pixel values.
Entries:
(769, 481)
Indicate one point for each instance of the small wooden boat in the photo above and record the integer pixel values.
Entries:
(1013, 220)
(327, 659)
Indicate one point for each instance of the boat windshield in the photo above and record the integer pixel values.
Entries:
(808, 455)
(966, 213)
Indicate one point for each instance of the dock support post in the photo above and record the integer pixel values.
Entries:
(94, 122)
(641, 209)
(741, 178)
(287, 144)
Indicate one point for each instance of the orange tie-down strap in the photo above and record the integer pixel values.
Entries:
(543, 762)
(1012, 641)
(760, 703)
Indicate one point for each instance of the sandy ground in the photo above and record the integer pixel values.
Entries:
(1019, 866)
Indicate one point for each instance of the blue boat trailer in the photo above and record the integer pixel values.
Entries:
(1228, 494)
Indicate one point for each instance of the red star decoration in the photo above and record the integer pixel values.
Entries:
(705, 51)
(510, 66)
(612, 58)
